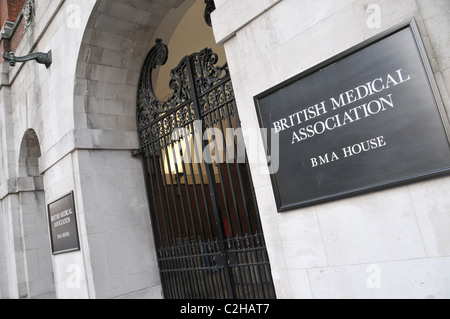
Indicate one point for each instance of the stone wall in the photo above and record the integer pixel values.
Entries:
(389, 244)
(83, 112)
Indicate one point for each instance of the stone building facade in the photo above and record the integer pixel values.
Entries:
(72, 128)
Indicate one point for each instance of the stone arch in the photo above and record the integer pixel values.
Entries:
(118, 36)
(34, 266)
(111, 188)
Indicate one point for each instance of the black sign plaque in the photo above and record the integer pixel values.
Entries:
(366, 119)
(63, 225)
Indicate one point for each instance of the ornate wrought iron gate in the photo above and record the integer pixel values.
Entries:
(205, 218)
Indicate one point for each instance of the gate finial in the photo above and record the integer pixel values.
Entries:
(210, 7)
(147, 99)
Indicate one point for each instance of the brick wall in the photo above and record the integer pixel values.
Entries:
(10, 11)
(17, 36)
(3, 12)
(14, 8)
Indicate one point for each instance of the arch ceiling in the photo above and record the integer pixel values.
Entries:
(114, 45)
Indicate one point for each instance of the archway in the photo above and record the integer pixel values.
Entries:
(37, 264)
(118, 36)
(205, 218)
(117, 248)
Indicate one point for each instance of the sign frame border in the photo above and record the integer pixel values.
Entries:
(78, 248)
(409, 24)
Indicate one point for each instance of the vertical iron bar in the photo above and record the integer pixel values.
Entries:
(198, 260)
(258, 277)
(175, 260)
(178, 192)
(197, 202)
(166, 195)
(194, 186)
(249, 270)
(157, 233)
(174, 196)
(161, 199)
(233, 193)
(266, 285)
(211, 179)
(188, 193)
(237, 275)
(167, 260)
(199, 158)
(177, 244)
(244, 197)
(233, 279)
(264, 254)
(210, 260)
(181, 197)
(246, 269)
(227, 160)
(149, 181)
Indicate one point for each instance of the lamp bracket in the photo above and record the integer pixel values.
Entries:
(39, 57)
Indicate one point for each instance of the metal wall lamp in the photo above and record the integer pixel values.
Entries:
(39, 57)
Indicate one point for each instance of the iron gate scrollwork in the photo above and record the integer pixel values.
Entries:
(205, 218)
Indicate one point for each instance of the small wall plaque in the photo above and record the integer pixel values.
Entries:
(63, 225)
